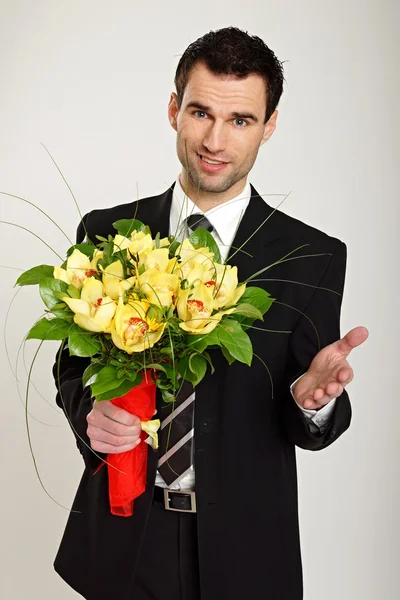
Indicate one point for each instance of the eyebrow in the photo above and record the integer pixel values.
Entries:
(235, 115)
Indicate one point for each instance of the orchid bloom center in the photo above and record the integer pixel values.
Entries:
(222, 292)
(96, 305)
(197, 307)
(210, 283)
(137, 328)
(91, 272)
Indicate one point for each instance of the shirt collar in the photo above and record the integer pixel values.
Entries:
(225, 218)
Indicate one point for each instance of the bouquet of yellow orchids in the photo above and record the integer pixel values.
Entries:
(134, 303)
(145, 310)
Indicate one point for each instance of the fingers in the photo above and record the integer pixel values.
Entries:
(112, 429)
(120, 415)
(99, 446)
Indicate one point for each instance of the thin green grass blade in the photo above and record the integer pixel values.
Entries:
(34, 234)
(69, 420)
(304, 315)
(19, 391)
(269, 373)
(72, 194)
(29, 434)
(319, 287)
(40, 210)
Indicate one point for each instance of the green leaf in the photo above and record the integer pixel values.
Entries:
(201, 342)
(63, 313)
(227, 355)
(257, 297)
(82, 343)
(208, 359)
(116, 392)
(87, 249)
(35, 275)
(48, 288)
(235, 340)
(73, 292)
(173, 248)
(201, 237)
(106, 379)
(248, 310)
(167, 396)
(49, 329)
(89, 374)
(157, 240)
(127, 226)
(198, 366)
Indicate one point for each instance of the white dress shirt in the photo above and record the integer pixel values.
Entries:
(225, 219)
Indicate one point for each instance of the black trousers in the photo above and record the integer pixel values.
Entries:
(168, 567)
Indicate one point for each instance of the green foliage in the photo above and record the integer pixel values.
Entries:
(35, 275)
(50, 290)
(82, 343)
(257, 297)
(49, 329)
(123, 388)
(73, 292)
(173, 248)
(127, 226)
(201, 237)
(86, 248)
(235, 340)
(90, 373)
(248, 310)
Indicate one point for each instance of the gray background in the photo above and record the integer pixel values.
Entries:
(91, 80)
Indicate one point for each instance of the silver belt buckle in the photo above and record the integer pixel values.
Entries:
(191, 493)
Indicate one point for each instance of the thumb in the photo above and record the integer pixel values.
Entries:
(355, 337)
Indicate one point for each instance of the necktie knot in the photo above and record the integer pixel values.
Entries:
(199, 220)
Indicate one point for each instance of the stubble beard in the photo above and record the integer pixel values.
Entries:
(200, 182)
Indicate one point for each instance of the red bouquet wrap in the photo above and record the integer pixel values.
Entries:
(124, 487)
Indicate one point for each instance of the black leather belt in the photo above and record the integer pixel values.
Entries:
(179, 500)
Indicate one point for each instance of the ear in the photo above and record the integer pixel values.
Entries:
(173, 110)
(269, 127)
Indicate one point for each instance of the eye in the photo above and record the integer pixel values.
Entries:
(241, 123)
(199, 113)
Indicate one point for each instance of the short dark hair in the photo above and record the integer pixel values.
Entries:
(231, 51)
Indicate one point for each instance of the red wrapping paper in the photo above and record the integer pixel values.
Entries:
(124, 487)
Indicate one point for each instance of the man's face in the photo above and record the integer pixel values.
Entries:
(221, 120)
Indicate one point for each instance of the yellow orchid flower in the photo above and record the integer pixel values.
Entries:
(93, 311)
(195, 306)
(121, 243)
(190, 256)
(79, 267)
(141, 245)
(158, 259)
(224, 285)
(132, 330)
(113, 275)
(160, 288)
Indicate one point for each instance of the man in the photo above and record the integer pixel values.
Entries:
(242, 538)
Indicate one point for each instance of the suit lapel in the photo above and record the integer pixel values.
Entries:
(155, 214)
(256, 230)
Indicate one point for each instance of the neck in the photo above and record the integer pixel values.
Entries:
(206, 200)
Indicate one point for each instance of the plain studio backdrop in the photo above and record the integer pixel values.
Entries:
(91, 81)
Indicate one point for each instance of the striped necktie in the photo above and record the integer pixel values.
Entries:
(177, 419)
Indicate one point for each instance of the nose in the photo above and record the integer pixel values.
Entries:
(215, 138)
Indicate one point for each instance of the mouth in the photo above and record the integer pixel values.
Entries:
(210, 166)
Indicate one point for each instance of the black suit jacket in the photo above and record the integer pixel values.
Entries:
(246, 428)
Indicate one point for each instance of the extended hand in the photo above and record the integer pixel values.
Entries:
(329, 372)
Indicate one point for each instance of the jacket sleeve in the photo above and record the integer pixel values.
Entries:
(71, 396)
(323, 310)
